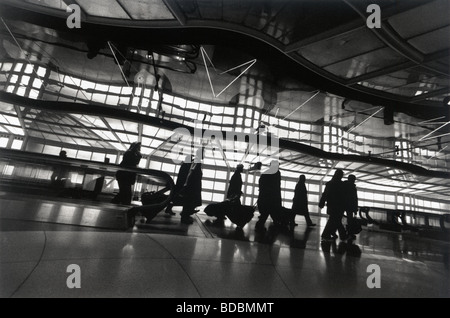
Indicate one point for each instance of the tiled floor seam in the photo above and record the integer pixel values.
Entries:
(34, 268)
(177, 261)
(278, 274)
(204, 228)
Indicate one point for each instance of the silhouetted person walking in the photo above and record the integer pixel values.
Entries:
(60, 178)
(333, 196)
(192, 190)
(235, 186)
(300, 202)
(234, 193)
(269, 197)
(126, 179)
(60, 175)
(177, 200)
(351, 203)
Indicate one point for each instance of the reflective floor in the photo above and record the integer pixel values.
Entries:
(167, 259)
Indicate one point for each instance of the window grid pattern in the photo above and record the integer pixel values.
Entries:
(19, 75)
(25, 79)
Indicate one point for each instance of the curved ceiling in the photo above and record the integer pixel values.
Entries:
(326, 45)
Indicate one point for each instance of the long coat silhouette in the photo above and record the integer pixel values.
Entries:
(182, 177)
(193, 185)
(234, 189)
(192, 190)
(351, 204)
(300, 201)
(177, 199)
(269, 197)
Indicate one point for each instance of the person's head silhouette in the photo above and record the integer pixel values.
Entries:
(135, 146)
(351, 178)
(338, 175)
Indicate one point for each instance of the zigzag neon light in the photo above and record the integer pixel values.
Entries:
(202, 50)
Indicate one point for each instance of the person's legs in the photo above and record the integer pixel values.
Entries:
(116, 198)
(169, 209)
(350, 218)
(327, 230)
(124, 192)
(308, 220)
(336, 225)
(332, 225)
(263, 215)
(175, 201)
(341, 229)
(292, 223)
(188, 210)
(127, 193)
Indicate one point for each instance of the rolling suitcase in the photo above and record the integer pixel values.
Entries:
(282, 216)
(354, 226)
(231, 208)
(152, 203)
(241, 214)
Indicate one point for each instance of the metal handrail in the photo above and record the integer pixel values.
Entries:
(106, 169)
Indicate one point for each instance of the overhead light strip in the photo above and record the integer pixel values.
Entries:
(436, 155)
(436, 136)
(364, 121)
(425, 137)
(203, 52)
(430, 120)
(303, 104)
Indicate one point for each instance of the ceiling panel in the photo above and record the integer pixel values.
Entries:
(297, 20)
(55, 4)
(98, 8)
(147, 10)
(235, 11)
(422, 19)
(341, 47)
(433, 41)
(366, 63)
(210, 10)
(410, 82)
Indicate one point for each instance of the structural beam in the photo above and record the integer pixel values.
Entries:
(175, 9)
(438, 92)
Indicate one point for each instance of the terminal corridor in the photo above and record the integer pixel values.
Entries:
(225, 149)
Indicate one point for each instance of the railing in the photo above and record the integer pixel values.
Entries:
(363, 215)
(384, 218)
(32, 172)
(415, 221)
(445, 219)
(426, 224)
